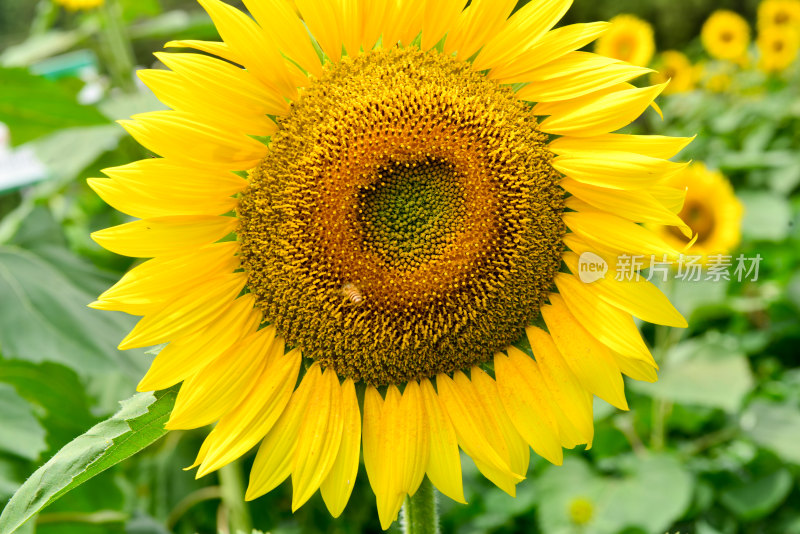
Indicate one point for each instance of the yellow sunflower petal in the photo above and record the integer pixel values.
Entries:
(413, 425)
(478, 434)
(576, 84)
(602, 114)
(444, 464)
(439, 17)
(588, 359)
(240, 430)
(654, 146)
(525, 27)
(381, 439)
(376, 464)
(215, 48)
(154, 204)
(186, 355)
(318, 440)
(218, 387)
(273, 463)
(175, 179)
(617, 233)
(552, 46)
(158, 236)
(203, 304)
(477, 25)
(574, 401)
(323, 18)
(637, 297)
(288, 31)
(636, 368)
(231, 87)
(636, 206)
(373, 16)
(250, 43)
(611, 326)
(670, 197)
(403, 21)
(519, 452)
(186, 138)
(339, 484)
(150, 285)
(617, 170)
(524, 398)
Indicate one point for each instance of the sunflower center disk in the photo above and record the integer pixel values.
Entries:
(407, 220)
(413, 213)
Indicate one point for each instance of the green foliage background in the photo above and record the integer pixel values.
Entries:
(712, 448)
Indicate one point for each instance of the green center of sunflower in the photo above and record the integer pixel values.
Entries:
(407, 220)
(412, 213)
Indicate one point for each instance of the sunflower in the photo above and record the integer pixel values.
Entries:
(779, 13)
(675, 67)
(629, 39)
(74, 5)
(711, 210)
(388, 226)
(777, 47)
(726, 35)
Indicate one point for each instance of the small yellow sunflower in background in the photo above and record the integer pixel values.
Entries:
(714, 76)
(75, 5)
(392, 220)
(711, 210)
(779, 13)
(676, 67)
(629, 39)
(726, 35)
(777, 47)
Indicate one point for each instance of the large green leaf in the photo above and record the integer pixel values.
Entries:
(707, 371)
(767, 216)
(654, 492)
(33, 106)
(22, 435)
(58, 394)
(775, 427)
(44, 318)
(757, 499)
(138, 424)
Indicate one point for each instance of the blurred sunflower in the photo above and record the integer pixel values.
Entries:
(403, 223)
(711, 210)
(674, 66)
(629, 39)
(726, 35)
(75, 5)
(779, 13)
(777, 47)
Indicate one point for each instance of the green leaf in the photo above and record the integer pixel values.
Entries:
(654, 491)
(775, 427)
(33, 106)
(58, 151)
(44, 318)
(767, 216)
(22, 435)
(57, 392)
(657, 492)
(757, 499)
(708, 371)
(139, 423)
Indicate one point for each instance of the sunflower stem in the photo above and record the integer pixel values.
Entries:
(665, 338)
(232, 489)
(118, 47)
(420, 515)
